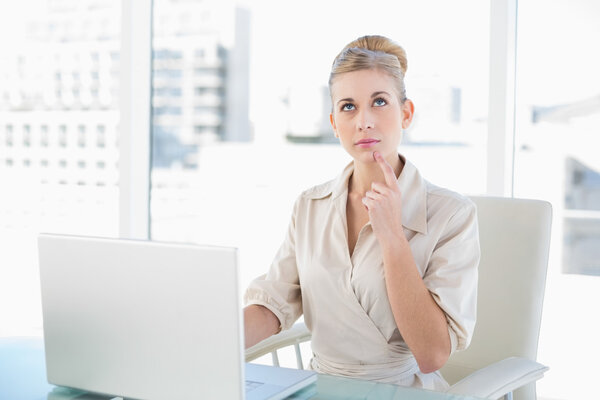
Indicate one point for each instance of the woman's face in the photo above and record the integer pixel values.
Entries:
(368, 115)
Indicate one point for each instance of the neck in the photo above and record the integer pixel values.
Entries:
(366, 173)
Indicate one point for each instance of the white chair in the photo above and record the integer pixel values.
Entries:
(515, 241)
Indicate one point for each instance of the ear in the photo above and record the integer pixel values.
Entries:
(332, 121)
(408, 110)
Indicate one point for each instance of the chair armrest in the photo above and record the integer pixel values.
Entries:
(296, 334)
(499, 378)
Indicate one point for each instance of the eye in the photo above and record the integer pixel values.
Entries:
(379, 102)
(348, 107)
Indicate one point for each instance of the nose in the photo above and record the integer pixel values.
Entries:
(364, 120)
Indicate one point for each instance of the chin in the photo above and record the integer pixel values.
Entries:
(365, 156)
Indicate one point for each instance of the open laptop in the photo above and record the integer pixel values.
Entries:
(149, 320)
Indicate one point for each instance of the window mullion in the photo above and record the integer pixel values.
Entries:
(501, 121)
(135, 114)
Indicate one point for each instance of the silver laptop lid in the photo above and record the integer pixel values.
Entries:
(141, 319)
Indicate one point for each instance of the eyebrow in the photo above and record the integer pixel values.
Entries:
(375, 94)
(346, 99)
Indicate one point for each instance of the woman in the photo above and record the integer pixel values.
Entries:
(382, 264)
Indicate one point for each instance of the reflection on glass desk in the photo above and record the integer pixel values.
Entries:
(23, 377)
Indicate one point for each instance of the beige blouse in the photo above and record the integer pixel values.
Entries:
(344, 299)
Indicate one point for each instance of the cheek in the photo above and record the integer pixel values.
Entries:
(394, 121)
(342, 126)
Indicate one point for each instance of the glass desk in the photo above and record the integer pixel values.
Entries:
(23, 377)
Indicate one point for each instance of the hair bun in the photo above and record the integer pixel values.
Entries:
(382, 44)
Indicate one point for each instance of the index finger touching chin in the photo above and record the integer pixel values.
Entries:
(388, 171)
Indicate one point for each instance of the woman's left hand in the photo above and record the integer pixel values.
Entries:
(384, 204)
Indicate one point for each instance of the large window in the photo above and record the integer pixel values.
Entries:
(556, 158)
(239, 126)
(59, 115)
(241, 108)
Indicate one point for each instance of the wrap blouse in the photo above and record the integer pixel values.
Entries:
(344, 298)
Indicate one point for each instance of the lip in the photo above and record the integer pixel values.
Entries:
(366, 143)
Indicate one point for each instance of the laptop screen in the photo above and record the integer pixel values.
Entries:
(141, 319)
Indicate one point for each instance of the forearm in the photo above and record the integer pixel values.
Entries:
(259, 324)
(420, 320)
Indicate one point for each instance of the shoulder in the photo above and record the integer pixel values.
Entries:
(447, 197)
(319, 191)
(313, 204)
(446, 205)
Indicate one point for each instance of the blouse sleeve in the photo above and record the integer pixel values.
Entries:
(279, 289)
(451, 275)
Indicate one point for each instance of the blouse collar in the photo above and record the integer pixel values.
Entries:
(412, 186)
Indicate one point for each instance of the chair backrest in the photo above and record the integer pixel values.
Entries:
(515, 241)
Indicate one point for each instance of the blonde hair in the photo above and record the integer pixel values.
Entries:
(372, 52)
